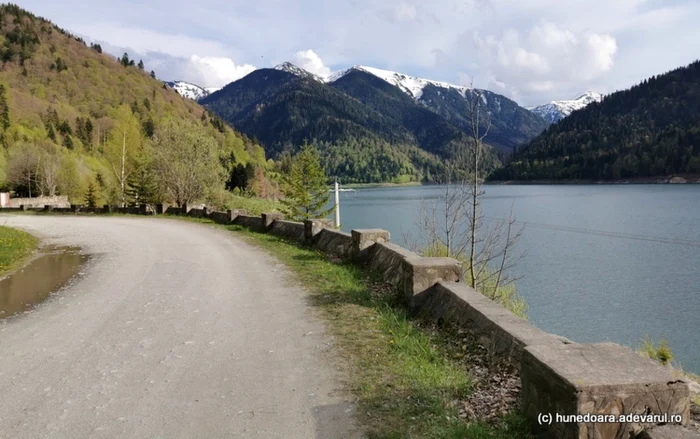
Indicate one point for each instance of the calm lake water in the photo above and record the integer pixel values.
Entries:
(603, 263)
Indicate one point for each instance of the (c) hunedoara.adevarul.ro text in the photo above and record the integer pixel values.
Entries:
(665, 418)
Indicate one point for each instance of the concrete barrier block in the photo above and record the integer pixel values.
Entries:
(289, 230)
(48, 208)
(600, 379)
(669, 432)
(503, 333)
(427, 272)
(161, 208)
(233, 213)
(334, 242)
(269, 218)
(23, 207)
(313, 227)
(363, 239)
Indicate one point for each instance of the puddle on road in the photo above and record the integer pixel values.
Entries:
(32, 284)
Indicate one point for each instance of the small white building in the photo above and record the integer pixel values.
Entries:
(4, 199)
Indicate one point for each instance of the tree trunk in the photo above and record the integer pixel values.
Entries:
(121, 180)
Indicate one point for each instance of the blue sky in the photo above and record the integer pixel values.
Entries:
(530, 50)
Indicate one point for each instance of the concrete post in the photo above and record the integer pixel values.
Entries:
(599, 379)
(269, 218)
(161, 208)
(314, 226)
(106, 208)
(363, 239)
(48, 208)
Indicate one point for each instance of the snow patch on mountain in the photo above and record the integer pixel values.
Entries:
(554, 111)
(411, 85)
(298, 71)
(189, 90)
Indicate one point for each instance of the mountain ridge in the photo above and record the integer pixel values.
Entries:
(649, 130)
(554, 111)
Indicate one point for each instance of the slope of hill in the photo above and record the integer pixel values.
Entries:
(652, 129)
(555, 111)
(65, 106)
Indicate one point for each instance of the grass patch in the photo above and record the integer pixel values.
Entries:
(254, 206)
(407, 380)
(16, 247)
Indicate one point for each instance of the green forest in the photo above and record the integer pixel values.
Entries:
(366, 130)
(78, 122)
(649, 130)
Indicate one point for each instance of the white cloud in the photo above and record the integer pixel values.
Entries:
(545, 59)
(219, 71)
(404, 12)
(311, 62)
(532, 50)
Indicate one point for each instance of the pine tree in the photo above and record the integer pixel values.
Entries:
(4, 109)
(125, 59)
(91, 195)
(140, 64)
(305, 186)
(153, 74)
(141, 187)
(51, 133)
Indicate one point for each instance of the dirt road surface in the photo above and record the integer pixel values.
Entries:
(172, 330)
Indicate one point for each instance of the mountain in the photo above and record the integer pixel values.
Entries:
(189, 90)
(511, 124)
(66, 106)
(298, 71)
(425, 119)
(554, 111)
(358, 143)
(649, 130)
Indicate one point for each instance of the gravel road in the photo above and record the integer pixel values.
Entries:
(173, 330)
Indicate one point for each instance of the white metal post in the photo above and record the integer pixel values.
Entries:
(337, 205)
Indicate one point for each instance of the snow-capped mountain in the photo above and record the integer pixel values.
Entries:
(189, 90)
(298, 71)
(410, 85)
(554, 111)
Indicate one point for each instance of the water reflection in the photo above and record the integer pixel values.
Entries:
(36, 281)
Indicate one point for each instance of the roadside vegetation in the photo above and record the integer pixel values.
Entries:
(16, 247)
(411, 378)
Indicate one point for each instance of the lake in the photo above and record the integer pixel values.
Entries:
(602, 262)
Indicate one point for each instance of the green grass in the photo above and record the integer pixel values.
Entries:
(16, 247)
(407, 381)
(254, 206)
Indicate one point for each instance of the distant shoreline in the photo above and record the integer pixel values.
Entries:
(378, 185)
(672, 179)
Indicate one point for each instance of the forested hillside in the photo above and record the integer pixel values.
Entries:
(366, 129)
(75, 120)
(652, 129)
(511, 124)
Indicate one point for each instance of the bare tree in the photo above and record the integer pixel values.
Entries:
(119, 168)
(22, 166)
(48, 167)
(453, 225)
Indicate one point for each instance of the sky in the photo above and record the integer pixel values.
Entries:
(532, 51)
